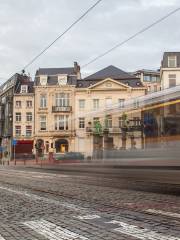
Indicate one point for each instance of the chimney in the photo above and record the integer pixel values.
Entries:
(77, 70)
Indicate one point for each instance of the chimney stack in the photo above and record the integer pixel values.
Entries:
(77, 70)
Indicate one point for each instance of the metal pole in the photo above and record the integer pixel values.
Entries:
(14, 154)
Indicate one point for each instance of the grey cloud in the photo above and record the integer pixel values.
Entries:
(26, 27)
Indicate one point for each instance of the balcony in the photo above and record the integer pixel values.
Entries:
(56, 109)
(61, 133)
(112, 130)
(103, 130)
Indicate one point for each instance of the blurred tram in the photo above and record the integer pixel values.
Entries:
(159, 132)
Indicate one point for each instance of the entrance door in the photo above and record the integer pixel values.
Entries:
(61, 146)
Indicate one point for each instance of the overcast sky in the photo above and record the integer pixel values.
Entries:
(26, 27)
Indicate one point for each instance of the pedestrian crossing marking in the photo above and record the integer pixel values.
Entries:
(169, 214)
(139, 232)
(1, 238)
(88, 217)
(53, 232)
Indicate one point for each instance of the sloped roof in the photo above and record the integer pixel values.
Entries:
(55, 71)
(110, 72)
(135, 82)
(30, 85)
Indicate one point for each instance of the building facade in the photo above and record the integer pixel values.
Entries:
(23, 118)
(170, 70)
(54, 109)
(165, 121)
(170, 77)
(63, 99)
(7, 91)
(97, 128)
(150, 79)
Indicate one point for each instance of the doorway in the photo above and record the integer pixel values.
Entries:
(61, 145)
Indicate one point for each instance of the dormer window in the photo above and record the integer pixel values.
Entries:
(62, 79)
(172, 61)
(24, 88)
(43, 80)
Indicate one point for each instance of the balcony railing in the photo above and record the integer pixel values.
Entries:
(112, 130)
(61, 109)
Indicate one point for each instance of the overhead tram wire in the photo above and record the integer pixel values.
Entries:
(132, 37)
(62, 34)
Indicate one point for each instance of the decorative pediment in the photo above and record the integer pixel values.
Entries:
(108, 84)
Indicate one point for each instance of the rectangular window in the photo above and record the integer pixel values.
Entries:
(157, 79)
(147, 78)
(43, 123)
(81, 122)
(18, 130)
(121, 103)
(95, 104)
(154, 79)
(81, 103)
(136, 121)
(24, 88)
(62, 79)
(29, 104)
(29, 116)
(136, 103)
(43, 101)
(95, 121)
(61, 122)
(120, 122)
(62, 100)
(108, 102)
(28, 131)
(108, 121)
(18, 117)
(18, 104)
(172, 80)
(172, 61)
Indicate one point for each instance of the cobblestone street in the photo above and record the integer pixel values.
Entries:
(47, 205)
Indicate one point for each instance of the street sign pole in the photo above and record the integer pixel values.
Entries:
(14, 154)
(14, 142)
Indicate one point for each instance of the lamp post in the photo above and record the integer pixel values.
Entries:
(124, 129)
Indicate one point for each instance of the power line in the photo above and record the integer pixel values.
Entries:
(62, 34)
(131, 37)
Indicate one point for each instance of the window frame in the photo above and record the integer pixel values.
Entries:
(18, 116)
(81, 123)
(18, 105)
(24, 88)
(43, 121)
(61, 122)
(81, 107)
(121, 102)
(106, 102)
(29, 105)
(170, 60)
(28, 130)
(29, 117)
(96, 103)
(43, 100)
(172, 77)
(62, 99)
(18, 130)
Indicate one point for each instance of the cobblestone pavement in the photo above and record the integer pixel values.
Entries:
(42, 205)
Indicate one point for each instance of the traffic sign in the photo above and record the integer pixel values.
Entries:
(1, 149)
(14, 142)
